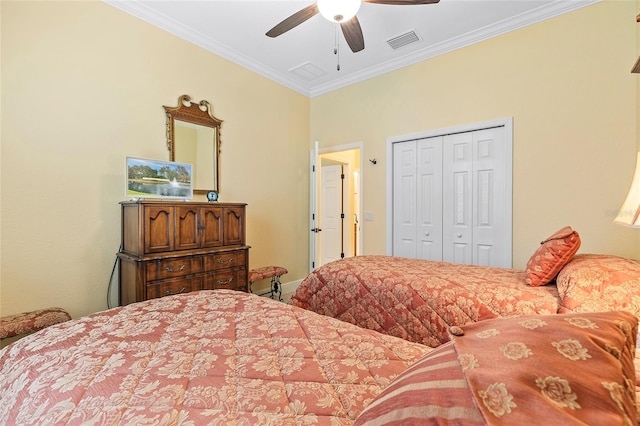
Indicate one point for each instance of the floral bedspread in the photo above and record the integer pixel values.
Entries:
(418, 300)
(211, 357)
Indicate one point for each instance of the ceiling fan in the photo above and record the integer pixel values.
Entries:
(342, 12)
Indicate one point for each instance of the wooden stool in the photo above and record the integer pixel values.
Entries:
(29, 322)
(273, 272)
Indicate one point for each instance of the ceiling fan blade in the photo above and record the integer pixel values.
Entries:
(402, 2)
(353, 34)
(293, 20)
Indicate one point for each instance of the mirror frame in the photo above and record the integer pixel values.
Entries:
(195, 113)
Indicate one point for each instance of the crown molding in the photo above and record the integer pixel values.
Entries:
(139, 10)
(534, 16)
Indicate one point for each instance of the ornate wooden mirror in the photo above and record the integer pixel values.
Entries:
(193, 136)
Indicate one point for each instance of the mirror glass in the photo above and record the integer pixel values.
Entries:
(193, 136)
(195, 144)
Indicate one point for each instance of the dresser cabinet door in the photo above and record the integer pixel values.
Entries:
(233, 226)
(211, 225)
(187, 228)
(159, 229)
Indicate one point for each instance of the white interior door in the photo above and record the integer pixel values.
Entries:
(350, 157)
(313, 208)
(348, 213)
(471, 214)
(331, 214)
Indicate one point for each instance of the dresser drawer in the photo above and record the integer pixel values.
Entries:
(169, 268)
(173, 286)
(224, 260)
(233, 279)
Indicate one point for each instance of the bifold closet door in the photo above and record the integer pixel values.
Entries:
(417, 199)
(474, 198)
(451, 200)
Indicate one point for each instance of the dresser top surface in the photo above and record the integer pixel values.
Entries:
(179, 202)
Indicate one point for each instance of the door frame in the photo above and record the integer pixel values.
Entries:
(506, 122)
(314, 200)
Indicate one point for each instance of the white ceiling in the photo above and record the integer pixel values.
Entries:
(236, 30)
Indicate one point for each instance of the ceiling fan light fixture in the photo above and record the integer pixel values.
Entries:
(338, 11)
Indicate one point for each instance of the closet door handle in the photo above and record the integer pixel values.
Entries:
(459, 235)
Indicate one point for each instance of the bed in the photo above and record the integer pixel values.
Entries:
(221, 357)
(209, 357)
(418, 300)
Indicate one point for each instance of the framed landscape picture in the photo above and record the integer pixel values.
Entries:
(158, 179)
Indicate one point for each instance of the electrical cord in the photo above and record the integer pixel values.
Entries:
(113, 271)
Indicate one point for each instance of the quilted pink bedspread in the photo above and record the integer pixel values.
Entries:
(211, 357)
(418, 300)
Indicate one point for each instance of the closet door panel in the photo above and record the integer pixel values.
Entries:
(457, 232)
(489, 198)
(429, 201)
(404, 199)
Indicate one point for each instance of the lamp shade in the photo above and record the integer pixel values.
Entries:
(629, 214)
(338, 10)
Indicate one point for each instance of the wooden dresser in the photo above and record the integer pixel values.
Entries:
(176, 247)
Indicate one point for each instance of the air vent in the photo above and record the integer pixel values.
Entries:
(308, 71)
(403, 40)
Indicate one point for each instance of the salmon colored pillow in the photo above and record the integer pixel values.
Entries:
(599, 283)
(554, 252)
(560, 369)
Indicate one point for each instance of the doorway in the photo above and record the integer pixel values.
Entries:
(336, 188)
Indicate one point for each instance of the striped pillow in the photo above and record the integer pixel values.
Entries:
(432, 388)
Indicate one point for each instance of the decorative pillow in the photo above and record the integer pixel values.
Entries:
(599, 282)
(564, 369)
(551, 256)
(29, 322)
(432, 388)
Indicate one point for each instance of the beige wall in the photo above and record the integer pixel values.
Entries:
(83, 85)
(567, 85)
